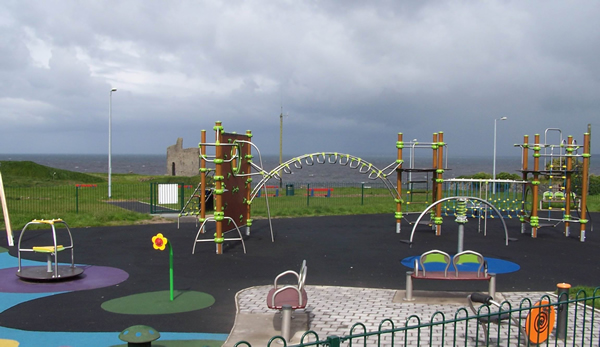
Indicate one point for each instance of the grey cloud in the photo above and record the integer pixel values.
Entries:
(349, 73)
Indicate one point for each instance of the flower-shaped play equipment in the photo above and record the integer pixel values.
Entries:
(160, 242)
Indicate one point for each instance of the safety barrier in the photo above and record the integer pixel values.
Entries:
(272, 191)
(577, 324)
(32, 202)
(326, 192)
(55, 201)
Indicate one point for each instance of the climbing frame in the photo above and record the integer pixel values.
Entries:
(232, 162)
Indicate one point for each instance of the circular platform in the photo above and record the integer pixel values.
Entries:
(495, 265)
(93, 277)
(40, 273)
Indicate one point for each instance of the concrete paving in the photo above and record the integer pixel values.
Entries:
(334, 311)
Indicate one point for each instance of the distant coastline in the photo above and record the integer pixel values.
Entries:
(143, 164)
(155, 164)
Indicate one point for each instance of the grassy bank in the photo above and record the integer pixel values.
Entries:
(21, 178)
(39, 192)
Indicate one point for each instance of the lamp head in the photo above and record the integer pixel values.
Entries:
(503, 118)
(115, 89)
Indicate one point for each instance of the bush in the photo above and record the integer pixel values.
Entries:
(508, 176)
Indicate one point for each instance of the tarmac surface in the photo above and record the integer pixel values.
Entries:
(349, 258)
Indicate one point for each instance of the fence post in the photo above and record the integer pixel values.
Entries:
(362, 193)
(76, 199)
(151, 198)
(333, 341)
(307, 194)
(561, 317)
(181, 197)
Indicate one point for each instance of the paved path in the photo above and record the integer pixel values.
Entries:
(334, 310)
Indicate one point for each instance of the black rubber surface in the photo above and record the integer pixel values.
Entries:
(358, 251)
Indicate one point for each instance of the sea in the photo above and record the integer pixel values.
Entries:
(308, 171)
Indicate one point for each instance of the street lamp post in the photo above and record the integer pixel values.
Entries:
(281, 137)
(494, 168)
(110, 141)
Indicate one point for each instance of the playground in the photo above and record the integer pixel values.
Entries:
(126, 281)
(167, 278)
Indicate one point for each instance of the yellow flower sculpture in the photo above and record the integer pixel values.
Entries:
(159, 242)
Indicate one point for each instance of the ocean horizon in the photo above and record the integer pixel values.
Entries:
(156, 164)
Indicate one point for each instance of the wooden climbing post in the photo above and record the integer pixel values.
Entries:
(439, 173)
(534, 220)
(398, 215)
(219, 189)
(584, 185)
(247, 159)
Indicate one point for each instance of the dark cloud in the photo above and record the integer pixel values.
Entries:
(350, 74)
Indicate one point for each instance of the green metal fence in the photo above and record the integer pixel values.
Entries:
(551, 321)
(169, 197)
(293, 196)
(80, 198)
(89, 198)
(372, 197)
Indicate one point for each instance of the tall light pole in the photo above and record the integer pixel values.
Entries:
(281, 136)
(281, 144)
(494, 169)
(110, 141)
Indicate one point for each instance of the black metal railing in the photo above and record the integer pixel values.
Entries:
(550, 321)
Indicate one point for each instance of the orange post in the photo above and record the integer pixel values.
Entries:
(534, 221)
(434, 166)
(439, 173)
(584, 184)
(219, 213)
(247, 159)
(398, 215)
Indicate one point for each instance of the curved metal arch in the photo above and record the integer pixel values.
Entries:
(343, 159)
(458, 198)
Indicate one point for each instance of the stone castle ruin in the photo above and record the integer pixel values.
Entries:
(183, 161)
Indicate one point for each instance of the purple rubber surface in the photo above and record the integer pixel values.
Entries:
(93, 277)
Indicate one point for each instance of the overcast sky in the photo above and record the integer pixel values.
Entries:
(350, 75)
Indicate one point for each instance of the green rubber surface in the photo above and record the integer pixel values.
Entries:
(159, 303)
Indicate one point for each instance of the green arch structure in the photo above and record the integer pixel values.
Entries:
(363, 166)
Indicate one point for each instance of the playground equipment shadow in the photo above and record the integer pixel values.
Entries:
(361, 251)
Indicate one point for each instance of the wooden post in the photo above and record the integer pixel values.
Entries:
(9, 234)
(433, 178)
(246, 159)
(534, 221)
(219, 210)
(439, 180)
(584, 185)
